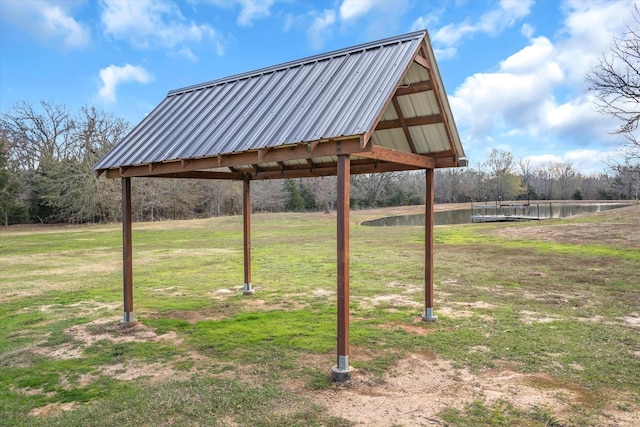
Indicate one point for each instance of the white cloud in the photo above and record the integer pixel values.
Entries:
(541, 160)
(48, 22)
(491, 22)
(588, 32)
(252, 10)
(423, 22)
(586, 161)
(535, 93)
(113, 75)
(317, 30)
(351, 9)
(513, 96)
(152, 24)
(527, 30)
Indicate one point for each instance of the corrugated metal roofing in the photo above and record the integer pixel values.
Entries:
(333, 95)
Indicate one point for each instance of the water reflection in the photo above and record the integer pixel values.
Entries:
(463, 216)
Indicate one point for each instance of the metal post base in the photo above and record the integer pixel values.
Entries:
(342, 372)
(128, 317)
(428, 316)
(247, 290)
(341, 375)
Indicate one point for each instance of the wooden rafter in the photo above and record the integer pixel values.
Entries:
(399, 157)
(403, 124)
(422, 61)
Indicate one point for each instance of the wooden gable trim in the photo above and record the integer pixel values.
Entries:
(436, 90)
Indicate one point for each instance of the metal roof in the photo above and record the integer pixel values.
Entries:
(333, 96)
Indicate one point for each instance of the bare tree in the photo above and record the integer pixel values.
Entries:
(615, 82)
(566, 176)
(37, 134)
(526, 172)
(367, 189)
(504, 183)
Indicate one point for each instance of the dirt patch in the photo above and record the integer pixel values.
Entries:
(632, 320)
(323, 293)
(52, 408)
(113, 330)
(408, 288)
(530, 317)
(153, 372)
(420, 387)
(387, 301)
(418, 327)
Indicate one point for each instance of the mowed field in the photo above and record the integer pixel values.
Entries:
(538, 324)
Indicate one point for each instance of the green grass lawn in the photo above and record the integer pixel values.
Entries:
(556, 301)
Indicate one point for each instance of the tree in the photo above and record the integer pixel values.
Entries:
(566, 176)
(367, 189)
(295, 202)
(615, 82)
(51, 153)
(504, 183)
(11, 207)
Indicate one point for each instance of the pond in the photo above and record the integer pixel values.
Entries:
(540, 210)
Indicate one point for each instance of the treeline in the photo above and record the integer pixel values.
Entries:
(46, 176)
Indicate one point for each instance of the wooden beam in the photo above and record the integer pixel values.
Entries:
(262, 152)
(203, 175)
(414, 88)
(396, 156)
(447, 162)
(282, 154)
(403, 124)
(342, 370)
(127, 252)
(331, 170)
(246, 216)
(422, 61)
(428, 247)
(431, 119)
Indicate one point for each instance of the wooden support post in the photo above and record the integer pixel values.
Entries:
(127, 251)
(246, 215)
(342, 371)
(428, 248)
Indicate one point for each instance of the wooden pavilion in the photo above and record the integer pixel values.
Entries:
(372, 108)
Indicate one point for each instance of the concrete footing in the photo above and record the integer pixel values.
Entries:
(341, 375)
(128, 317)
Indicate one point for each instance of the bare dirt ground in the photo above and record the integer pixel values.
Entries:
(421, 386)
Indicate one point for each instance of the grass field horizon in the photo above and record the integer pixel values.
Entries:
(538, 324)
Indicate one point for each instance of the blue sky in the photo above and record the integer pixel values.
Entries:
(513, 70)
